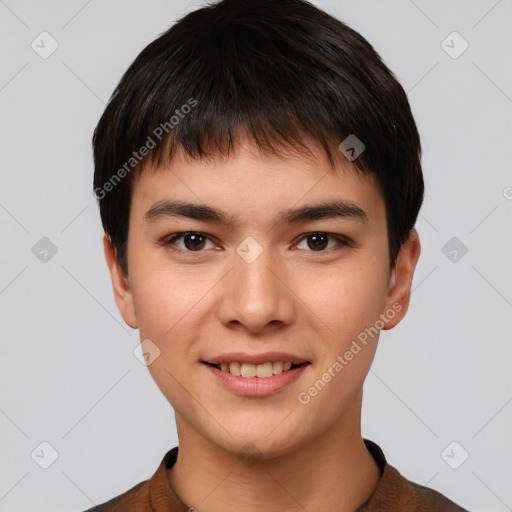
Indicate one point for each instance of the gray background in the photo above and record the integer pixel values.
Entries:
(68, 375)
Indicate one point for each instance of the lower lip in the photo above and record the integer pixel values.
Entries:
(256, 386)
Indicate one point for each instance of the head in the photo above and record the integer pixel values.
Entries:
(236, 115)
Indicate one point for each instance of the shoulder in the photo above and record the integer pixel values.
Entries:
(420, 498)
(135, 498)
(146, 495)
(395, 492)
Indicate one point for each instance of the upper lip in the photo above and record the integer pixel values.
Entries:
(242, 357)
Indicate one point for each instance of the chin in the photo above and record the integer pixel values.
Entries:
(252, 445)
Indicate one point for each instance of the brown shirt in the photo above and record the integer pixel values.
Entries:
(394, 493)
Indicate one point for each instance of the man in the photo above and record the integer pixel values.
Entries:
(258, 174)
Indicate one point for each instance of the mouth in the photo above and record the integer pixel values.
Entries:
(261, 371)
(255, 375)
(262, 377)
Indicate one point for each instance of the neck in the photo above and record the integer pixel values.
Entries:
(335, 472)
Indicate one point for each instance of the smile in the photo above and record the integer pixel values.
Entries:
(262, 371)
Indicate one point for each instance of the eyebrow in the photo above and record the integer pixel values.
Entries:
(328, 210)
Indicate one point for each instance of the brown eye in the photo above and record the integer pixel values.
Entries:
(191, 241)
(317, 241)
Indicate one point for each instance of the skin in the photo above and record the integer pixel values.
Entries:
(292, 298)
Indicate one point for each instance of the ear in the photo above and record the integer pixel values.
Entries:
(399, 289)
(122, 292)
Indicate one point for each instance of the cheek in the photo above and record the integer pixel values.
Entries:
(350, 306)
(166, 295)
(345, 299)
(168, 306)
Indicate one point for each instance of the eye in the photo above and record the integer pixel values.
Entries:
(193, 241)
(319, 241)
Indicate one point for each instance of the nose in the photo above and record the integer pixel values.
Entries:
(256, 294)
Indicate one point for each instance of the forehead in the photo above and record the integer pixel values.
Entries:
(252, 184)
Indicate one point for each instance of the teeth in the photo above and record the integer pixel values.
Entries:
(264, 370)
(248, 370)
(235, 369)
(277, 368)
(256, 370)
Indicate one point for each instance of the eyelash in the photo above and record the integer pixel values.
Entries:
(170, 241)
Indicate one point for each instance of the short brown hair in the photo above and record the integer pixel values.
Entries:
(275, 70)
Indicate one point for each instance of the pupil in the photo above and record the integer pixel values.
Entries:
(196, 241)
(319, 241)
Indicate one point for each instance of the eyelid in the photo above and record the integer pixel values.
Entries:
(169, 240)
(342, 240)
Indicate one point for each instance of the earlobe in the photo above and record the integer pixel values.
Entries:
(120, 285)
(399, 289)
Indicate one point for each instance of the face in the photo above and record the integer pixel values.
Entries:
(232, 294)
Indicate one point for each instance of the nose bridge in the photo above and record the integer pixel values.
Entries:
(254, 295)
